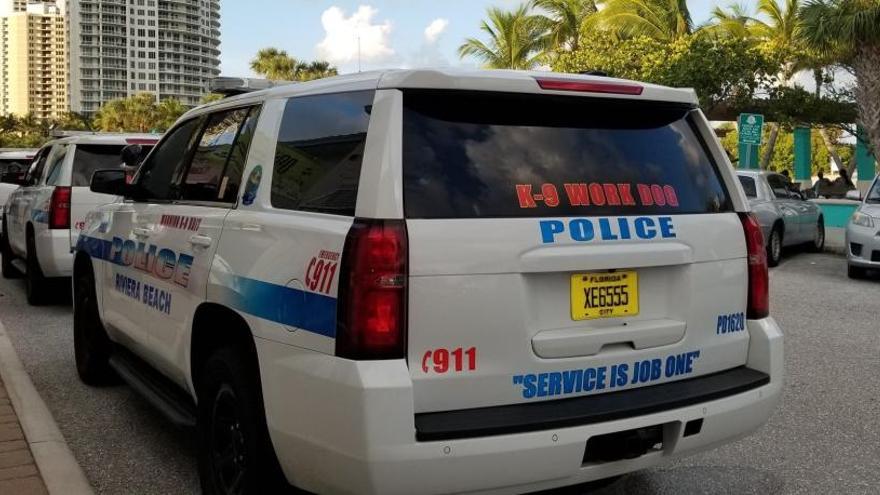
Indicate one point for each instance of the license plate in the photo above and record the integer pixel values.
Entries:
(604, 295)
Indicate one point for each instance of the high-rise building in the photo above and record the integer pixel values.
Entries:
(33, 58)
(123, 47)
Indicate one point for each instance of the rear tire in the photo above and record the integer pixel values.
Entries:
(855, 272)
(91, 346)
(235, 452)
(8, 270)
(818, 243)
(35, 283)
(774, 247)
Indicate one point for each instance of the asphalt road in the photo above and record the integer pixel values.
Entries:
(824, 438)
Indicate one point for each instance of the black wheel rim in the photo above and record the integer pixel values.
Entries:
(228, 455)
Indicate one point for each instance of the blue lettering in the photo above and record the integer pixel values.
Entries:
(581, 230)
(555, 387)
(529, 390)
(605, 229)
(549, 229)
(542, 385)
(624, 228)
(666, 227)
(645, 228)
(589, 379)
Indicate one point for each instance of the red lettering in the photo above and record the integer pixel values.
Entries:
(551, 196)
(596, 194)
(645, 194)
(524, 193)
(611, 195)
(626, 196)
(671, 197)
(577, 194)
(659, 197)
(309, 272)
(445, 360)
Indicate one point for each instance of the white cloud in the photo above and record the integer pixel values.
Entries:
(435, 29)
(340, 43)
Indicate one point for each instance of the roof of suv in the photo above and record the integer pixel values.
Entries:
(513, 81)
(110, 138)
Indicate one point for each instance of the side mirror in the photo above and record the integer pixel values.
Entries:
(109, 181)
(131, 155)
(854, 194)
(16, 178)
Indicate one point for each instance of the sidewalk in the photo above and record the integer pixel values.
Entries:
(18, 472)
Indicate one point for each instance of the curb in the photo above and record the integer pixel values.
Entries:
(58, 467)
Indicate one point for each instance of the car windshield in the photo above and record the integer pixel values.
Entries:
(874, 194)
(748, 184)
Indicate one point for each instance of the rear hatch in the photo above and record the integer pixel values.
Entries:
(87, 159)
(563, 246)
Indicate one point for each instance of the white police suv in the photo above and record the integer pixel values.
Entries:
(434, 281)
(43, 217)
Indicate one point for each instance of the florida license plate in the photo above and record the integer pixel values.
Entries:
(604, 295)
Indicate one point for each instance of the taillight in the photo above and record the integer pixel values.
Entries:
(759, 279)
(589, 86)
(59, 208)
(371, 319)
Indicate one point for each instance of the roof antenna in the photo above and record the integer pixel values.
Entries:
(359, 52)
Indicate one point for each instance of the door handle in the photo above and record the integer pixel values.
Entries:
(142, 232)
(200, 240)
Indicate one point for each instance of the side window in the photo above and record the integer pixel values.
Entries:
(778, 185)
(37, 167)
(56, 165)
(319, 152)
(160, 174)
(217, 164)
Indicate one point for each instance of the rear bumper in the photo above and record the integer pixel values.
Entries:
(349, 427)
(53, 252)
(866, 242)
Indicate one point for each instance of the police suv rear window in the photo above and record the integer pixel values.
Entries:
(90, 157)
(481, 154)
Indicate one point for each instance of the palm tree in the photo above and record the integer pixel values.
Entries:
(318, 69)
(515, 40)
(734, 21)
(563, 20)
(274, 64)
(848, 31)
(167, 112)
(665, 20)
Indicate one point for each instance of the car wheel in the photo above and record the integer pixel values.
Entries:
(8, 270)
(818, 243)
(774, 247)
(235, 453)
(35, 283)
(91, 346)
(855, 272)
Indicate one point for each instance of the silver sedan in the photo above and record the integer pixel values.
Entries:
(786, 217)
(863, 234)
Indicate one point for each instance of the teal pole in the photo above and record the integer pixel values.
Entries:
(748, 156)
(865, 163)
(802, 154)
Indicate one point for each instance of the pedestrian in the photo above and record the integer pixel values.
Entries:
(822, 184)
(787, 174)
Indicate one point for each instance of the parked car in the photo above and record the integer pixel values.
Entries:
(863, 234)
(786, 217)
(42, 218)
(15, 163)
(434, 281)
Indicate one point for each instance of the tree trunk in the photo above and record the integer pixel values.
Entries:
(835, 156)
(817, 77)
(771, 144)
(866, 67)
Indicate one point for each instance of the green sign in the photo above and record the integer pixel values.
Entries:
(750, 125)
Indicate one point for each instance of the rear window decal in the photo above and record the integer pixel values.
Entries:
(596, 194)
(252, 186)
(618, 375)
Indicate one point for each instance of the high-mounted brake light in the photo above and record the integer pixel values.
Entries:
(371, 319)
(589, 86)
(142, 141)
(59, 208)
(759, 279)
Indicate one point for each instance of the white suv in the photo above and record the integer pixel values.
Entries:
(434, 281)
(43, 217)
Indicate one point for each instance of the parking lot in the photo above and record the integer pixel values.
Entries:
(825, 437)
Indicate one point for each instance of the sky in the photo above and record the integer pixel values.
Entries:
(392, 33)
